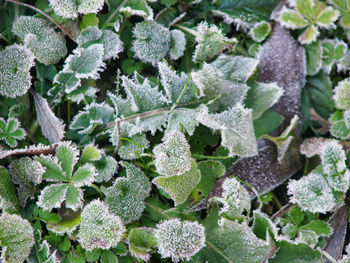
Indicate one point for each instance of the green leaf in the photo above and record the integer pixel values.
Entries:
(11, 131)
(321, 228)
(341, 95)
(178, 44)
(52, 196)
(263, 226)
(16, 238)
(99, 228)
(53, 171)
(327, 16)
(137, 7)
(84, 175)
(106, 168)
(179, 187)
(260, 31)
(88, 20)
(292, 19)
(296, 215)
(313, 58)
(295, 253)
(67, 155)
(210, 171)
(66, 226)
(74, 197)
(90, 153)
(141, 242)
(267, 123)
(309, 35)
(108, 256)
(8, 196)
(50, 218)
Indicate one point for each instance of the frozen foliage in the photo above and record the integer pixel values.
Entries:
(68, 181)
(42, 251)
(152, 41)
(173, 156)
(313, 146)
(343, 7)
(178, 44)
(341, 95)
(99, 228)
(93, 115)
(333, 158)
(141, 240)
(179, 187)
(51, 126)
(15, 63)
(310, 14)
(106, 168)
(260, 31)
(8, 196)
(312, 193)
(38, 35)
(11, 131)
(16, 238)
(207, 80)
(179, 240)
(26, 173)
(110, 40)
(235, 199)
(71, 8)
(210, 42)
(236, 128)
(126, 196)
(333, 51)
(137, 8)
(183, 119)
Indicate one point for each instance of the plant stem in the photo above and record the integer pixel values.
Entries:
(115, 12)
(179, 98)
(44, 14)
(329, 257)
(201, 157)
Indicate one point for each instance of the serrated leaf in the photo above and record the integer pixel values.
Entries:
(84, 175)
(67, 155)
(341, 95)
(52, 196)
(53, 171)
(51, 126)
(11, 131)
(183, 119)
(179, 187)
(9, 201)
(260, 31)
(74, 197)
(236, 129)
(178, 44)
(16, 238)
(263, 226)
(321, 228)
(90, 153)
(106, 168)
(292, 19)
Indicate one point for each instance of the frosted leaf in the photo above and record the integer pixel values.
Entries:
(137, 8)
(333, 50)
(211, 42)
(11, 131)
(90, 153)
(143, 96)
(74, 197)
(179, 187)
(183, 119)
(123, 107)
(92, 116)
(179, 240)
(346, 257)
(130, 147)
(27, 173)
(65, 226)
(207, 80)
(126, 197)
(68, 81)
(15, 63)
(312, 193)
(99, 228)
(262, 96)
(333, 158)
(236, 128)
(51, 127)
(42, 251)
(8, 196)
(52, 196)
(16, 238)
(89, 34)
(174, 84)
(90, 7)
(141, 240)
(64, 8)
(82, 93)
(39, 36)
(67, 155)
(341, 95)
(53, 171)
(150, 123)
(313, 146)
(260, 31)
(85, 62)
(235, 198)
(84, 175)
(106, 168)
(173, 156)
(178, 44)
(152, 41)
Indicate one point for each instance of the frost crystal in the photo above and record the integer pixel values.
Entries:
(39, 36)
(211, 42)
(152, 41)
(173, 156)
(341, 95)
(179, 240)
(90, 7)
(126, 197)
(16, 238)
(312, 193)
(178, 44)
(333, 158)
(106, 168)
(71, 8)
(15, 63)
(207, 80)
(99, 228)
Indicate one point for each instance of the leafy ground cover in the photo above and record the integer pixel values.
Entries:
(174, 131)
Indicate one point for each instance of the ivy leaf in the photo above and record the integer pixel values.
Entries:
(15, 64)
(99, 228)
(141, 242)
(51, 126)
(11, 131)
(9, 201)
(38, 35)
(236, 128)
(179, 187)
(126, 196)
(16, 238)
(260, 31)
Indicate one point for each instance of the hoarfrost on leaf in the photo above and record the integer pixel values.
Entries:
(11, 131)
(90, 7)
(106, 168)
(333, 158)
(99, 228)
(260, 31)
(38, 35)
(206, 79)
(152, 41)
(333, 51)
(173, 156)
(179, 240)
(341, 95)
(178, 44)
(71, 8)
(15, 64)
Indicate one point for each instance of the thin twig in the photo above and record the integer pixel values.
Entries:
(280, 213)
(44, 14)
